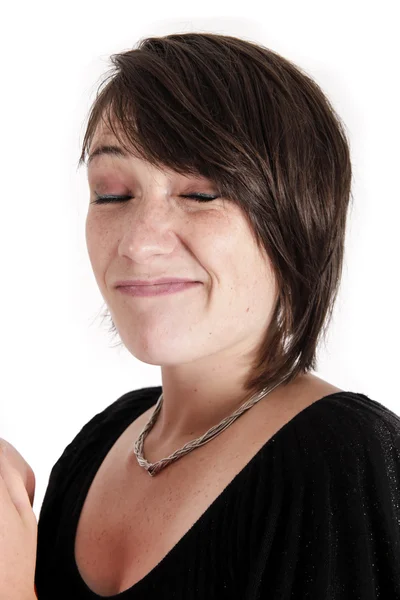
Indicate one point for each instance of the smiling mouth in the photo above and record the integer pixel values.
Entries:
(157, 289)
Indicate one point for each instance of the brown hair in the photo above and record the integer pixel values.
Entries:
(265, 134)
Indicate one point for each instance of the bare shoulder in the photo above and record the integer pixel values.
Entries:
(307, 389)
(287, 401)
(312, 387)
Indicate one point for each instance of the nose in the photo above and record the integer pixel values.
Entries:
(149, 228)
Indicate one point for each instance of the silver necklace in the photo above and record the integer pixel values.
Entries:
(156, 467)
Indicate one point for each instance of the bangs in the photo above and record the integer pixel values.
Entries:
(181, 113)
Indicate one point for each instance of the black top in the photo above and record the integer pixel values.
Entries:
(315, 514)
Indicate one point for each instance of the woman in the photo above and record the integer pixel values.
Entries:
(215, 160)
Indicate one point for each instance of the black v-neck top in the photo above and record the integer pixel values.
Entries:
(315, 514)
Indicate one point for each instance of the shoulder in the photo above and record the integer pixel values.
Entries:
(126, 408)
(346, 430)
(350, 448)
(349, 479)
(92, 440)
(339, 468)
(100, 429)
(122, 411)
(349, 420)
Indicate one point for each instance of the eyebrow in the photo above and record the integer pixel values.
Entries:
(117, 151)
(107, 150)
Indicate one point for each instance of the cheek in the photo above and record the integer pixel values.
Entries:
(219, 234)
(248, 277)
(100, 228)
(96, 242)
(91, 236)
(225, 246)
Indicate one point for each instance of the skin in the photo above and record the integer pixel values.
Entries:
(18, 525)
(201, 337)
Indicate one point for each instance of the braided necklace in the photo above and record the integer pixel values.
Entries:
(156, 467)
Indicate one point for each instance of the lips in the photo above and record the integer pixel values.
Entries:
(149, 282)
(158, 289)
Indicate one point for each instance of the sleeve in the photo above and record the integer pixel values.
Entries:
(342, 538)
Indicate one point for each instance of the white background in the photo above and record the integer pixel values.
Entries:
(58, 366)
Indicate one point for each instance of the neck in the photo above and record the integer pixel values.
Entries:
(191, 409)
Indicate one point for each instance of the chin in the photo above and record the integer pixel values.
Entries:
(162, 353)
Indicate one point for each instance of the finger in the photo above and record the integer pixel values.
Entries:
(17, 460)
(13, 487)
(5, 500)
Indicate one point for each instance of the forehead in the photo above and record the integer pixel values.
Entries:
(105, 145)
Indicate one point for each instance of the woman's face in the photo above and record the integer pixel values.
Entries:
(159, 233)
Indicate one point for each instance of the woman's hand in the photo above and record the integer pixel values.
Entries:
(18, 525)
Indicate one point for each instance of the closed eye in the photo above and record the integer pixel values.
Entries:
(109, 198)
